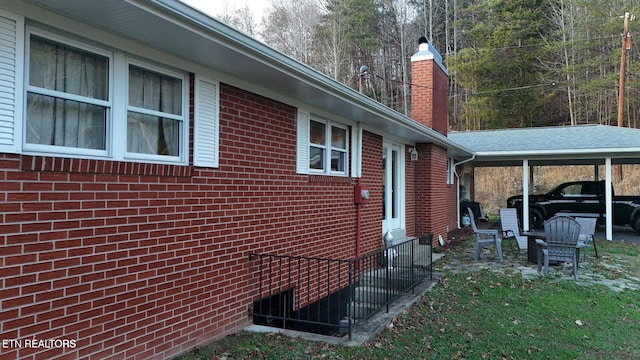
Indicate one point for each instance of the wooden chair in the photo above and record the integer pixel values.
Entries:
(485, 237)
(560, 244)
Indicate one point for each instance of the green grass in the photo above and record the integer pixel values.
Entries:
(483, 314)
(619, 260)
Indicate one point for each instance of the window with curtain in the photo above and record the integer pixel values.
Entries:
(154, 113)
(328, 147)
(67, 96)
(338, 149)
(318, 145)
(82, 99)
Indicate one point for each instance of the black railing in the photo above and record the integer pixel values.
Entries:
(329, 296)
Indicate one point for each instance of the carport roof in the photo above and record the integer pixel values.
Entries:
(558, 145)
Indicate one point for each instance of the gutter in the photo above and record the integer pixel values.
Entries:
(208, 27)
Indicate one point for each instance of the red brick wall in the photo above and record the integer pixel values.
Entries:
(434, 199)
(372, 177)
(429, 95)
(440, 99)
(145, 261)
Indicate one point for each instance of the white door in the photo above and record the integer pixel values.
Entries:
(392, 187)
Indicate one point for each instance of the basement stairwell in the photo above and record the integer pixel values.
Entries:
(333, 297)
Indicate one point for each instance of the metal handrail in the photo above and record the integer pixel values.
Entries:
(330, 296)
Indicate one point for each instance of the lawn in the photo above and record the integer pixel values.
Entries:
(480, 313)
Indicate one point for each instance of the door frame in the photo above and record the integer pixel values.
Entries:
(398, 222)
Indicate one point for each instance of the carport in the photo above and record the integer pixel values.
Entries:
(546, 146)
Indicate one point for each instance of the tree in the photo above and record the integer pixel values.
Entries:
(331, 51)
(504, 69)
(560, 45)
(512, 63)
(290, 25)
(241, 19)
(398, 41)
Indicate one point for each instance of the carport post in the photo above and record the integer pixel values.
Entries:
(608, 199)
(525, 194)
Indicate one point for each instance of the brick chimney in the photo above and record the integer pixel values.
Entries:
(429, 89)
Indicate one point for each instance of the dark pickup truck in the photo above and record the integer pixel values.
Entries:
(581, 198)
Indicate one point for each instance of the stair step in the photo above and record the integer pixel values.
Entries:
(360, 310)
(403, 254)
(394, 279)
(344, 325)
(422, 260)
(373, 295)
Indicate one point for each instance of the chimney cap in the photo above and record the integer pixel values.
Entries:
(427, 52)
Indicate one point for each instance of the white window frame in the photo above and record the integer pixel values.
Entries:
(327, 146)
(117, 105)
(108, 104)
(183, 118)
(344, 151)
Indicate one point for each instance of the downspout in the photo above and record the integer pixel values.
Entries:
(455, 173)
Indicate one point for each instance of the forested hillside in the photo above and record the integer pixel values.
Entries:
(512, 63)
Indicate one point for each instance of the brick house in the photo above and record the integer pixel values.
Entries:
(146, 149)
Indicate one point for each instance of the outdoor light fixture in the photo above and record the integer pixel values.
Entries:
(414, 154)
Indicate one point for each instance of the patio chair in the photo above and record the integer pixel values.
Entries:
(485, 237)
(510, 227)
(587, 231)
(560, 244)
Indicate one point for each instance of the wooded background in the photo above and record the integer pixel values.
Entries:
(512, 63)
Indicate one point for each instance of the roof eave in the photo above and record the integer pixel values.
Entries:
(548, 157)
(241, 61)
(396, 123)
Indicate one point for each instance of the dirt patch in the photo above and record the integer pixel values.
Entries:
(616, 268)
(455, 238)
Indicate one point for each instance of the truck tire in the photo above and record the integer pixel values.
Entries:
(536, 220)
(636, 224)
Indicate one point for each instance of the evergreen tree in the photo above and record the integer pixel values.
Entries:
(501, 74)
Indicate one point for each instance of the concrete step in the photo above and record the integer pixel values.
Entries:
(395, 279)
(361, 310)
(420, 259)
(373, 295)
(403, 253)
